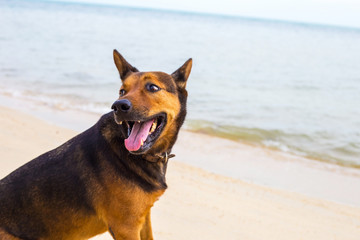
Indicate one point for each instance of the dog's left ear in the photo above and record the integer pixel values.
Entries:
(181, 75)
(122, 65)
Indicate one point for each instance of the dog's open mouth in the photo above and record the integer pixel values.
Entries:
(143, 133)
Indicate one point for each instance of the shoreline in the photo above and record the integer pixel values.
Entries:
(80, 118)
(208, 205)
(246, 162)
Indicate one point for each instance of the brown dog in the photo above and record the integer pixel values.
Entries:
(106, 178)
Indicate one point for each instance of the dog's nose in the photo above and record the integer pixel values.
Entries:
(122, 105)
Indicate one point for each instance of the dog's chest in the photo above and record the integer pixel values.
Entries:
(121, 200)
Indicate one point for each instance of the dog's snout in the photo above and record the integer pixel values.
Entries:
(122, 105)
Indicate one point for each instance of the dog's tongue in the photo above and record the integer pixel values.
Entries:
(138, 134)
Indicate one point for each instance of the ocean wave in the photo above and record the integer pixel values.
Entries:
(59, 102)
(307, 145)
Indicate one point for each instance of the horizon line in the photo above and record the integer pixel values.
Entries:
(203, 13)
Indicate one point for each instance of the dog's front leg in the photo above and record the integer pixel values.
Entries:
(146, 231)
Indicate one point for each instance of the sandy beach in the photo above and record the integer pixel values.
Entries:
(318, 201)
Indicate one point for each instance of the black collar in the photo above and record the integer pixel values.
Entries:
(164, 157)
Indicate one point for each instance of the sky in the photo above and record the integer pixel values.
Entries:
(328, 12)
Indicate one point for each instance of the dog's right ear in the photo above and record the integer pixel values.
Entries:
(122, 65)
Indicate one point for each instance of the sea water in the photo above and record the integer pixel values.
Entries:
(288, 86)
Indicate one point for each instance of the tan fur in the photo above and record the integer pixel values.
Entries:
(5, 236)
(132, 204)
(153, 103)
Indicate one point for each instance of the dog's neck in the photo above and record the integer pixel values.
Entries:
(150, 166)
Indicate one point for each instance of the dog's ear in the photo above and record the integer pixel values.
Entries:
(122, 65)
(181, 75)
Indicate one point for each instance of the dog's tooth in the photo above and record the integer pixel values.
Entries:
(138, 121)
(120, 122)
(153, 127)
(142, 142)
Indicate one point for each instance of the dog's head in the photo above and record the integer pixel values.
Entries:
(151, 107)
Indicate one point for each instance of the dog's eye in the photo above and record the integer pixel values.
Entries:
(152, 87)
(122, 92)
